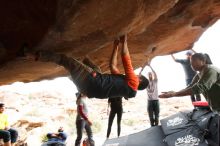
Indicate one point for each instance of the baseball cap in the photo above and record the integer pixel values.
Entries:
(189, 52)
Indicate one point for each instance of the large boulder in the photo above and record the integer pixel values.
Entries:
(88, 27)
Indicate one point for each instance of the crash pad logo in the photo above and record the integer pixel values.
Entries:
(174, 122)
(188, 140)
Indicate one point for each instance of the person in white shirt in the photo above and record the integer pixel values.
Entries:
(153, 106)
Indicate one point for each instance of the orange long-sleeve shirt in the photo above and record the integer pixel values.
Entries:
(131, 77)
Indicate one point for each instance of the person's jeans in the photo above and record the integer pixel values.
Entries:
(62, 136)
(80, 125)
(153, 109)
(77, 69)
(8, 135)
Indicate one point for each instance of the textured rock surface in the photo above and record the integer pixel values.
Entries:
(88, 27)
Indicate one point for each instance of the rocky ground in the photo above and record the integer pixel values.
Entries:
(34, 112)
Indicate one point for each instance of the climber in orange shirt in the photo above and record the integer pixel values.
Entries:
(93, 83)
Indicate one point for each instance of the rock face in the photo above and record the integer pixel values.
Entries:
(88, 27)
